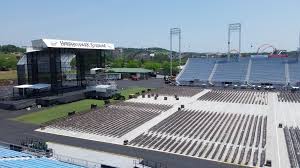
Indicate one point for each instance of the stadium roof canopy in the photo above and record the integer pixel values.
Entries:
(130, 70)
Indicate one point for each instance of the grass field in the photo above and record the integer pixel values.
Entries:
(62, 110)
(8, 74)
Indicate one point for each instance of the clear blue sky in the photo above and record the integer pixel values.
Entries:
(146, 23)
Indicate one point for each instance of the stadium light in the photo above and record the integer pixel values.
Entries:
(234, 27)
(175, 32)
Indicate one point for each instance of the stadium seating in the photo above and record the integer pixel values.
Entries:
(276, 71)
(294, 71)
(196, 69)
(6, 153)
(115, 120)
(14, 159)
(267, 70)
(232, 71)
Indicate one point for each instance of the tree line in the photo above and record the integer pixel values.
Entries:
(11, 49)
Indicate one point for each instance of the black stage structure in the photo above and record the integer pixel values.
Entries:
(63, 64)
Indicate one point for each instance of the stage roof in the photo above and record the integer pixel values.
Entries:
(55, 43)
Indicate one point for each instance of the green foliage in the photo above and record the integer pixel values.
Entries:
(73, 62)
(160, 57)
(133, 64)
(7, 61)
(152, 65)
(166, 67)
(11, 48)
(118, 63)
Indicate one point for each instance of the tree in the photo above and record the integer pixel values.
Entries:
(133, 64)
(152, 65)
(11, 48)
(118, 63)
(160, 57)
(166, 67)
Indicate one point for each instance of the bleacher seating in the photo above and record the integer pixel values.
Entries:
(294, 71)
(115, 120)
(196, 69)
(267, 70)
(14, 159)
(6, 153)
(276, 71)
(232, 71)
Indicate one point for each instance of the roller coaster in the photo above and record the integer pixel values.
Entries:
(275, 52)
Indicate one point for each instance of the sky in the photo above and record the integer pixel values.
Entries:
(146, 23)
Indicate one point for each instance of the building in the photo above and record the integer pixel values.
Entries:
(49, 61)
(134, 73)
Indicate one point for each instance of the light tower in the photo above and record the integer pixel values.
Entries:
(175, 32)
(234, 27)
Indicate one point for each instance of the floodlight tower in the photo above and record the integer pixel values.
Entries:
(234, 27)
(175, 32)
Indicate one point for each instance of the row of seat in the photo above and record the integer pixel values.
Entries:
(252, 70)
(115, 120)
(179, 91)
(267, 70)
(227, 71)
(203, 149)
(292, 139)
(234, 96)
(36, 163)
(14, 159)
(6, 153)
(219, 127)
(195, 68)
(288, 97)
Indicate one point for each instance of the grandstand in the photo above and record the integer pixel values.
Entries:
(252, 71)
(12, 159)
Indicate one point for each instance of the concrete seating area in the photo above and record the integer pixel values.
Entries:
(115, 120)
(235, 96)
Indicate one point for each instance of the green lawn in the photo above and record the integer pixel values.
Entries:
(62, 110)
(58, 111)
(132, 90)
(8, 74)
